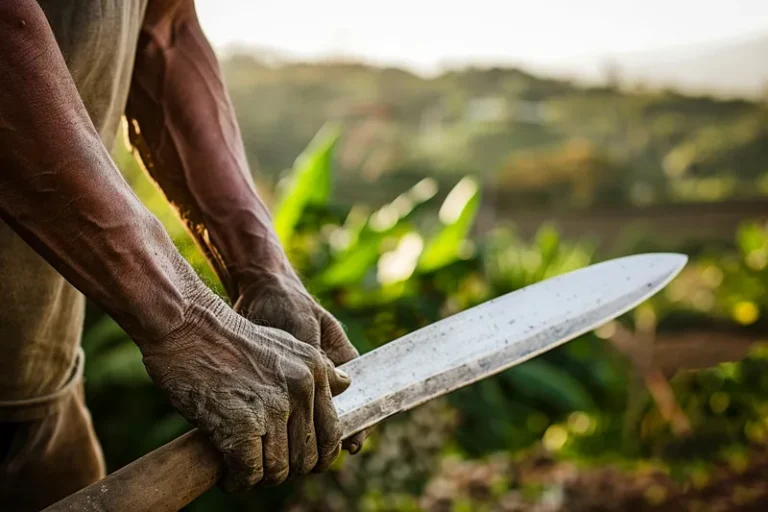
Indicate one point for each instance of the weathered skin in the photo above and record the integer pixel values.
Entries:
(254, 390)
(263, 396)
(176, 94)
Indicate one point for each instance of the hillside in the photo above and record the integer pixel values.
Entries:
(539, 142)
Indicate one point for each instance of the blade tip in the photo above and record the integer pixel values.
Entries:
(673, 261)
(676, 260)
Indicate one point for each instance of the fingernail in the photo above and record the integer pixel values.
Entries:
(342, 374)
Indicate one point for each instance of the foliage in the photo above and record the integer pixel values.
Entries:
(457, 216)
(311, 183)
(539, 143)
(387, 272)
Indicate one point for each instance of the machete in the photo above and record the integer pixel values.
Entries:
(411, 370)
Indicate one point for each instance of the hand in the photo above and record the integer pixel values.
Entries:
(262, 397)
(280, 300)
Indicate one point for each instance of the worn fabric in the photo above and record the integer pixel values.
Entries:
(48, 448)
(42, 314)
(52, 453)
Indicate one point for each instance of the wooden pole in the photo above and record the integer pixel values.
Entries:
(164, 480)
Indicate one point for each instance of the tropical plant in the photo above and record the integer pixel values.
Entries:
(388, 271)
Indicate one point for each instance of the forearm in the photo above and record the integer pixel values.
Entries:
(182, 123)
(62, 193)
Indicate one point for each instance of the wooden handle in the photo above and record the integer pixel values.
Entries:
(164, 480)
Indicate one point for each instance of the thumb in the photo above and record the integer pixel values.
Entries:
(334, 341)
(338, 380)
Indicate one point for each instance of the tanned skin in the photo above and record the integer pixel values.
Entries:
(261, 390)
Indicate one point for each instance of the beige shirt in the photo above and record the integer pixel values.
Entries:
(41, 316)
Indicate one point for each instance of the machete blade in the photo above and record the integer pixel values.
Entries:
(496, 335)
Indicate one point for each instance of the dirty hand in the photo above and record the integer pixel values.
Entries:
(262, 397)
(280, 300)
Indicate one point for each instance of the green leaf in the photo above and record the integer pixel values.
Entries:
(351, 268)
(548, 244)
(122, 365)
(101, 335)
(540, 380)
(390, 221)
(457, 215)
(309, 182)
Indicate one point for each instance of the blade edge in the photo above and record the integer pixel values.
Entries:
(513, 354)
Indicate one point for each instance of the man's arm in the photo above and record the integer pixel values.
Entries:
(61, 192)
(182, 123)
(240, 383)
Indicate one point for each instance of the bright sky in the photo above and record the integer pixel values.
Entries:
(425, 34)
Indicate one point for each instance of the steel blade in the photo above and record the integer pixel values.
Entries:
(496, 335)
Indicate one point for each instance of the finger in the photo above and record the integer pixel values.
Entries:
(274, 310)
(301, 435)
(354, 444)
(304, 328)
(295, 320)
(327, 427)
(276, 454)
(342, 350)
(334, 341)
(242, 462)
(338, 380)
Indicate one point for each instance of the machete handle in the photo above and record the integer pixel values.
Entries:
(164, 480)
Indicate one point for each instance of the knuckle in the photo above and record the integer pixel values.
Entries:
(250, 477)
(315, 357)
(241, 475)
(306, 464)
(276, 476)
(304, 328)
(301, 378)
(239, 444)
(276, 409)
(325, 370)
(327, 458)
(276, 460)
(306, 380)
(331, 439)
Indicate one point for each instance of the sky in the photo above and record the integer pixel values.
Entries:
(427, 35)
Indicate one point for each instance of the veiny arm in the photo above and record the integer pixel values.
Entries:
(262, 397)
(62, 193)
(182, 123)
